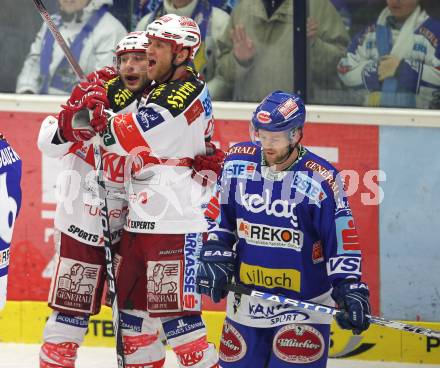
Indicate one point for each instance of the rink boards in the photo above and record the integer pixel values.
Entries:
(24, 322)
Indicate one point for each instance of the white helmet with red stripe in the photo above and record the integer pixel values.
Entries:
(182, 32)
(133, 42)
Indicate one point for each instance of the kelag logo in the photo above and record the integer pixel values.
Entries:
(148, 118)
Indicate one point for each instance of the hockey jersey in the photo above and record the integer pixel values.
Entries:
(10, 199)
(293, 230)
(77, 213)
(160, 142)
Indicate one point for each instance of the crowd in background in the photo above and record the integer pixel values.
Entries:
(368, 53)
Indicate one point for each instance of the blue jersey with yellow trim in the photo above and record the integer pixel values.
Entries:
(293, 230)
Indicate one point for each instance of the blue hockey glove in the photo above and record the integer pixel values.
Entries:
(217, 264)
(352, 297)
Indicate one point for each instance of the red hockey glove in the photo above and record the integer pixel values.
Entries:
(74, 122)
(99, 118)
(104, 74)
(207, 168)
(92, 96)
(69, 128)
(88, 95)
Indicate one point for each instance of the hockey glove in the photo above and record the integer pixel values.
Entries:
(352, 297)
(217, 265)
(70, 131)
(105, 74)
(91, 96)
(207, 168)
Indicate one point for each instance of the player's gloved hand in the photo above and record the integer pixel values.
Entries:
(93, 97)
(74, 122)
(352, 297)
(217, 264)
(87, 94)
(105, 74)
(207, 168)
(69, 130)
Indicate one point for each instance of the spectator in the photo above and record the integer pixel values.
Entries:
(226, 5)
(395, 61)
(17, 35)
(344, 11)
(256, 50)
(212, 22)
(91, 32)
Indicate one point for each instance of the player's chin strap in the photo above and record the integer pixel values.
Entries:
(320, 308)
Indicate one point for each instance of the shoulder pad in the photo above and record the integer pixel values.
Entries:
(243, 150)
(176, 96)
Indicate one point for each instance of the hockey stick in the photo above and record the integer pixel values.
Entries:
(105, 220)
(315, 307)
(59, 38)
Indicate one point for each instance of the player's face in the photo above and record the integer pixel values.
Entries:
(133, 70)
(275, 145)
(402, 9)
(160, 58)
(72, 6)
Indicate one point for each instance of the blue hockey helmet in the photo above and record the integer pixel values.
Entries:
(279, 111)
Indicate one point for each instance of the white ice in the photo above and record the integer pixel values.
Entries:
(26, 356)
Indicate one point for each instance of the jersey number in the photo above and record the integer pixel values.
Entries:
(8, 211)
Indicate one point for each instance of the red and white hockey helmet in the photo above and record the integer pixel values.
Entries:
(182, 32)
(133, 42)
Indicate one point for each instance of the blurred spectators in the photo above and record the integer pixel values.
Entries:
(256, 50)
(344, 11)
(226, 5)
(144, 7)
(395, 61)
(17, 35)
(90, 31)
(212, 22)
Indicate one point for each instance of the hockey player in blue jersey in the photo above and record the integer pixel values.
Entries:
(10, 202)
(284, 226)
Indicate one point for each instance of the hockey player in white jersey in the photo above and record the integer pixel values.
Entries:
(10, 199)
(165, 221)
(285, 227)
(78, 280)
